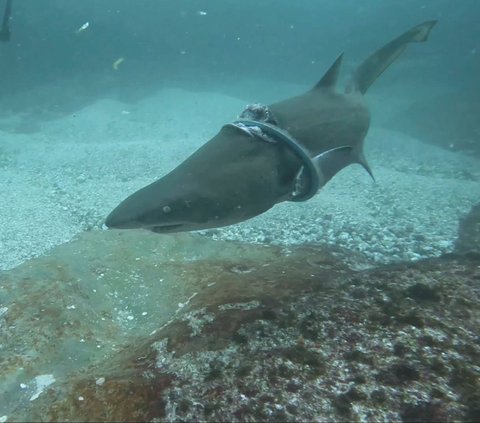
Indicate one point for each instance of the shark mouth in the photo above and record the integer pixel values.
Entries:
(165, 228)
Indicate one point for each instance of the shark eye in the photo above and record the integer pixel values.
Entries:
(166, 209)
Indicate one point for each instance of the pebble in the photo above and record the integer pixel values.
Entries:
(100, 381)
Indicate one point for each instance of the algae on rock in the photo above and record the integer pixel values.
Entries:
(135, 326)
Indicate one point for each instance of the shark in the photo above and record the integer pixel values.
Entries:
(286, 151)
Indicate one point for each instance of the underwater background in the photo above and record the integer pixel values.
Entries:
(360, 304)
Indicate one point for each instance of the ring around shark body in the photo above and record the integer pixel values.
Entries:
(282, 152)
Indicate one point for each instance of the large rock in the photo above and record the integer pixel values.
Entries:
(136, 326)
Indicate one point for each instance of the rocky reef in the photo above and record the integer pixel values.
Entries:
(119, 326)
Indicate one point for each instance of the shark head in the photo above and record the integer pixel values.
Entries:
(159, 209)
(212, 188)
(165, 206)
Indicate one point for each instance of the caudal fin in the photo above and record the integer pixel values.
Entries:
(376, 64)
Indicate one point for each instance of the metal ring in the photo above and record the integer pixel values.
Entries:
(296, 148)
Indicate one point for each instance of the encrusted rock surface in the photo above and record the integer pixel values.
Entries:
(134, 326)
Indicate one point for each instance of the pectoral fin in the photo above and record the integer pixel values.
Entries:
(330, 162)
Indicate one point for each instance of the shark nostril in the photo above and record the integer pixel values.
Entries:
(166, 209)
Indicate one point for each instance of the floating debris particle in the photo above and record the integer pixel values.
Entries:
(241, 269)
(117, 63)
(181, 305)
(240, 306)
(82, 28)
(42, 382)
(100, 381)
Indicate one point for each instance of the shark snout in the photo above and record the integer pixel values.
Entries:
(160, 207)
(120, 221)
(145, 208)
(164, 207)
(122, 218)
(130, 214)
(117, 219)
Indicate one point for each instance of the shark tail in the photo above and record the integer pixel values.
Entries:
(376, 64)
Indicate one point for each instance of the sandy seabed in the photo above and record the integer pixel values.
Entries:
(67, 176)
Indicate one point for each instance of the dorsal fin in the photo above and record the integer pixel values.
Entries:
(329, 80)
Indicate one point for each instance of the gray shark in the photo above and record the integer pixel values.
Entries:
(282, 152)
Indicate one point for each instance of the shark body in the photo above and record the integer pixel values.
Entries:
(255, 163)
